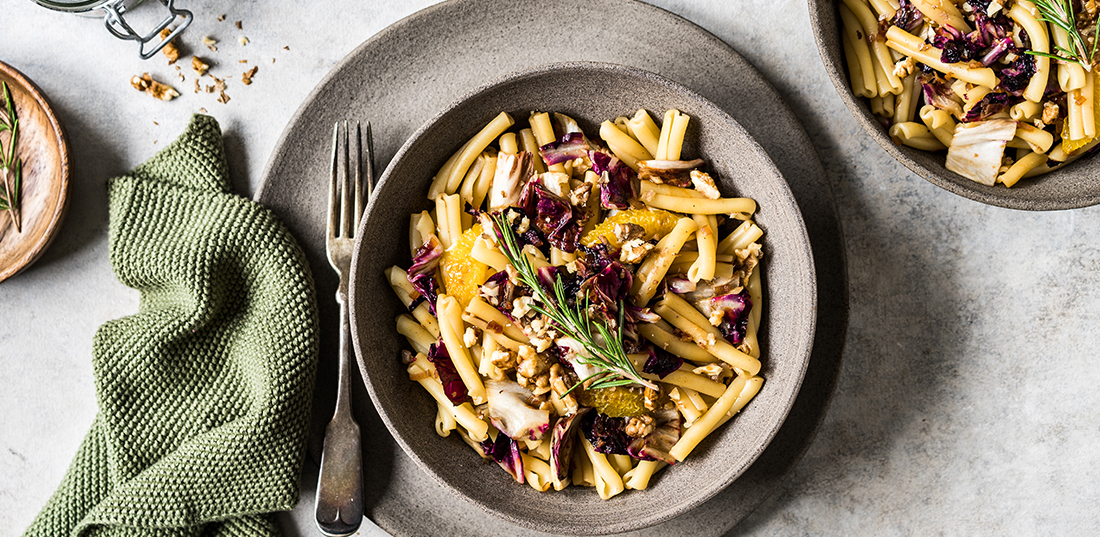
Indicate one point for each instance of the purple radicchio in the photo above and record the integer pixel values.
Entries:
(616, 183)
(735, 314)
(448, 374)
(1000, 47)
(422, 272)
(938, 92)
(571, 146)
(680, 284)
(607, 288)
(991, 104)
(655, 445)
(908, 17)
(1016, 77)
(506, 452)
(606, 434)
(563, 442)
(673, 172)
(553, 215)
(661, 363)
(513, 172)
(957, 46)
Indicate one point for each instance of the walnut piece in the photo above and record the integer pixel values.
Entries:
(634, 250)
(146, 83)
(169, 50)
(1050, 113)
(199, 66)
(712, 371)
(639, 426)
(704, 184)
(246, 78)
(503, 359)
(210, 42)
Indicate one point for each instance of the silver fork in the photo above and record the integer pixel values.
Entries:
(340, 486)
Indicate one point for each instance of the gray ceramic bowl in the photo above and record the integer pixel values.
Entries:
(1076, 185)
(589, 92)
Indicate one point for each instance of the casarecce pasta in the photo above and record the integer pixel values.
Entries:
(1004, 90)
(572, 306)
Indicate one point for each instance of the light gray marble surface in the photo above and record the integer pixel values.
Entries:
(967, 403)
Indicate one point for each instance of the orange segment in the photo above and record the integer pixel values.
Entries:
(655, 221)
(617, 402)
(462, 274)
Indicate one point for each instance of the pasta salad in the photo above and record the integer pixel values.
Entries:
(571, 307)
(1006, 87)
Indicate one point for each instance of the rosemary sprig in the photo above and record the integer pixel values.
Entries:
(11, 168)
(1060, 14)
(574, 321)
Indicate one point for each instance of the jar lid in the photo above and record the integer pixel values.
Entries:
(76, 6)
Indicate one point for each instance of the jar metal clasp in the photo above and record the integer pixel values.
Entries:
(118, 26)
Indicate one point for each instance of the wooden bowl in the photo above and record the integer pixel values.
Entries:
(44, 199)
(588, 92)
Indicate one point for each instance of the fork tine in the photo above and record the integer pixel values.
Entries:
(333, 216)
(358, 208)
(370, 162)
(346, 191)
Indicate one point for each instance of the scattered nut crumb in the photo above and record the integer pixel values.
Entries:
(242, 61)
(146, 83)
(182, 78)
(170, 51)
(210, 42)
(219, 84)
(223, 98)
(238, 24)
(209, 89)
(199, 66)
(286, 48)
(246, 78)
(155, 123)
(197, 88)
(242, 40)
(272, 60)
(221, 18)
(203, 110)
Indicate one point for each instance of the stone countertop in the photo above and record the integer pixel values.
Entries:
(967, 401)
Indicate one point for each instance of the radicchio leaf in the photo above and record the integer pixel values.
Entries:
(571, 146)
(553, 215)
(616, 184)
(1017, 75)
(661, 363)
(448, 375)
(606, 434)
(563, 441)
(735, 314)
(907, 17)
(991, 104)
(673, 172)
(422, 273)
(506, 452)
(655, 445)
(510, 411)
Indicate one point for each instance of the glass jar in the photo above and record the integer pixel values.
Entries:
(112, 12)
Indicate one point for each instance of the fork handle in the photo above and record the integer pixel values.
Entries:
(340, 486)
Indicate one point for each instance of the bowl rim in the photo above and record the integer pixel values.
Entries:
(805, 344)
(822, 19)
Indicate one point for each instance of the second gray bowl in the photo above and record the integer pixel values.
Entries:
(589, 92)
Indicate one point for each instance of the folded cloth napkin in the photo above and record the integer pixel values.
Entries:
(204, 394)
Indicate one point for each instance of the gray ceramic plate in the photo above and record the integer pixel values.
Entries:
(590, 93)
(407, 73)
(1076, 185)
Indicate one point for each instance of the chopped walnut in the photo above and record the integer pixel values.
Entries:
(521, 306)
(904, 68)
(639, 426)
(524, 225)
(470, 337)
(1050, 112)
(579, 196)
(557, 383)
(531, 364)
(169, 50)
(242, 40)
(210, 42)
(712, 371)
(223, 98)
(246, 78)
(651, 396)
(200, 67)
(146, 83)
(711, 341)
(705, 184)
(634, 250)
(503, 359)
(716, 317)
(238, 25)
(628, 231)
(221, 18)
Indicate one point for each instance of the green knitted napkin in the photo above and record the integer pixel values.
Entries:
(204, 394)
